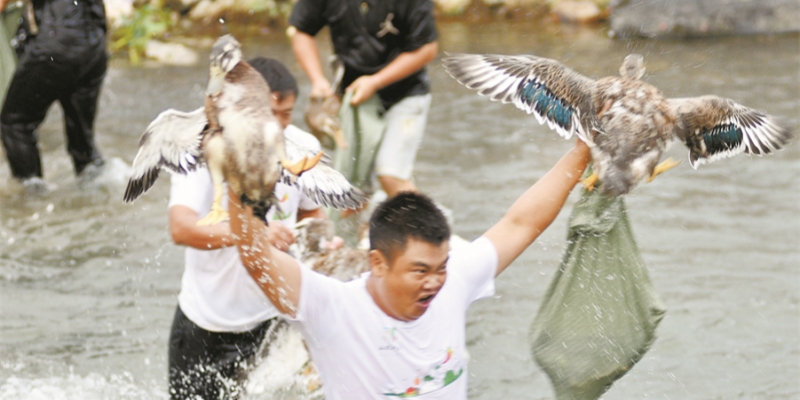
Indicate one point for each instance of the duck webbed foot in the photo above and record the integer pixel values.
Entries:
(309, 372)
(665, 166)
(217, 213)
(589, 182)
(215, 216)
(303, 165)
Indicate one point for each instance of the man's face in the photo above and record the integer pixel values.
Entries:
(406, 287)
(282, 107)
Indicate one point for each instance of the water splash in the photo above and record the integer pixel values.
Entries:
(71, 386)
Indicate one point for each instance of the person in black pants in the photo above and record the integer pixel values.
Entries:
(65, 61)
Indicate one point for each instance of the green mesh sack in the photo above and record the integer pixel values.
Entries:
(9, 21)
(362, 128)
(600, 312)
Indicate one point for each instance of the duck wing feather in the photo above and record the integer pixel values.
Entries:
(322, 184)
(540, 86)
(172, 141)
(714, 128)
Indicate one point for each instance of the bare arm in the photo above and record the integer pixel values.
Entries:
(536, 209)
(404, 65)
(276, 273)
(315, 213)
(307, 54)
(184, 230)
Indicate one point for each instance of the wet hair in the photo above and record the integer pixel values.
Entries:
(407, 215)
(278, 77)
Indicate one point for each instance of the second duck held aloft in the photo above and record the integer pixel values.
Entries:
(626, 122)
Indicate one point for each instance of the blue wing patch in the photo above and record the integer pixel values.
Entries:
(544, 103)
(723, 138)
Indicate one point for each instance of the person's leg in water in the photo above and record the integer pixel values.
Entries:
(37, 83)
(30, 94)
(405, 126)
(80, 109)
(394, 163)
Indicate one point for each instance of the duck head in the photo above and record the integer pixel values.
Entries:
(632, 67)
(225, 54)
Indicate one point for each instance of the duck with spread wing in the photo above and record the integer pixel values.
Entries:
(626, 122)
(241, 142)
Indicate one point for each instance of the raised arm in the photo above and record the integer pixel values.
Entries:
(307, 53)
(404, 65)
(536, 209)
(275, 272)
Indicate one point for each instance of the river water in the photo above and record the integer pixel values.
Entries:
(88, 285)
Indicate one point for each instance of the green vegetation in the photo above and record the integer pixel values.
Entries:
(147, 22)
(154, 19)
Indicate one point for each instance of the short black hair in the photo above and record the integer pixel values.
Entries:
(278, 77)
(407, 215)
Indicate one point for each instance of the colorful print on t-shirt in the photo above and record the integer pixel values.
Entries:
(439, 376)
(279, 214)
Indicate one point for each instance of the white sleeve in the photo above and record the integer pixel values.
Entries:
(316, 315)
(302, 137)
(306, 203)
(192, 190)
(476, 265)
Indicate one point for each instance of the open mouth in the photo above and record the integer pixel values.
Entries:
(426, 301)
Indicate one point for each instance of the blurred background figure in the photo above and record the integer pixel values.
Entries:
(384, 47)
(10, 17)
(62, 57)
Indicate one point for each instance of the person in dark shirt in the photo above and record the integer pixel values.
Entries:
(64, 61)
(384, 46)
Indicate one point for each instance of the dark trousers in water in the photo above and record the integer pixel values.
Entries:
(209, 364)
(49, 70)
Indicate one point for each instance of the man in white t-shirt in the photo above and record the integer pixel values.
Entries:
(399, 330)
(222, 315)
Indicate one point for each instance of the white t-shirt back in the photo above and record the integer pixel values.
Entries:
(362, 353)
(217, 293)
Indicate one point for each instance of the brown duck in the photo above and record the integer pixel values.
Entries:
(322, 113)
(240, 140)
(626, 122)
